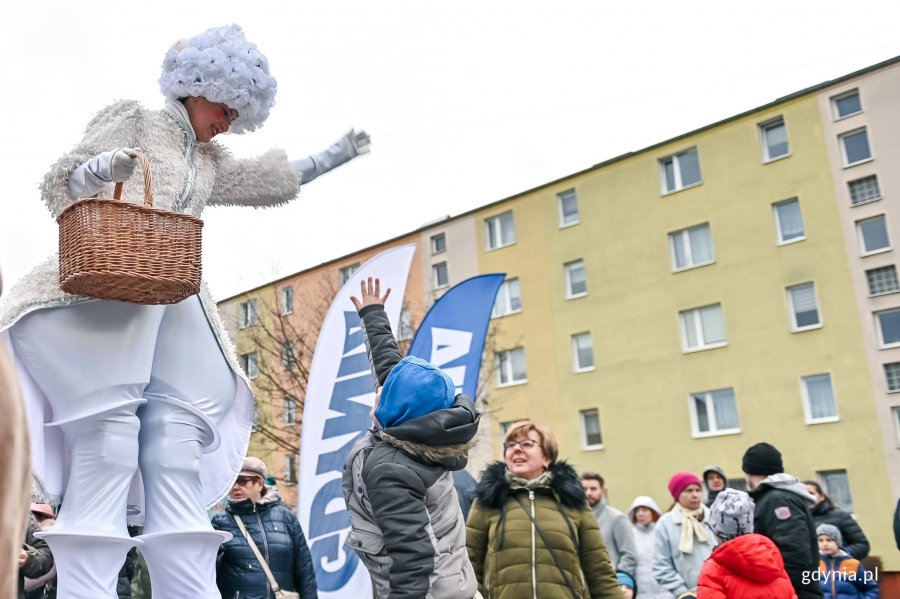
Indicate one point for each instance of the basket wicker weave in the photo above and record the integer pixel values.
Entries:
(111, 249)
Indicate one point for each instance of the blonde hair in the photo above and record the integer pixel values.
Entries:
(548, 439)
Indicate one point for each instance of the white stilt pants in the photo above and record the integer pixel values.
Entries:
(131, 386)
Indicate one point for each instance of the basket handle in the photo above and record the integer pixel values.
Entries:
(148, 180)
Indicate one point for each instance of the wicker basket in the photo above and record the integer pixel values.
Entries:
(111, 249)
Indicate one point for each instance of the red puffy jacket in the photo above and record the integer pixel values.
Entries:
(746, 567)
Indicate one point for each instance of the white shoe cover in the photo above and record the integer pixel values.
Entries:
(87, 566)
(182, 565)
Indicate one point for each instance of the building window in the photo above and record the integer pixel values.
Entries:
(287, 300)
(789, 221)
(680, 171)
(576, 280)
(773, 135)
(347, 272)
(583, 352)
(290, 409)
(714, 413)
(254, 417)
(500, 230)
(691, 247)
(873, 235)
(509, 298)
(888, 326)
(591, 437)
(439, 275)
(864, 190)
(818, 399)
(702, 328)
(836, 484)
(404, 329)
(290, 469)
(883, 280)
(568, 208)
(505, 426)
(846, 104)
(438, 244)
(249, 365)
(892, 376)
(249, 316)
(895, 414)
(288, 359)
(804, 307)
(510, 367)
(855, 146)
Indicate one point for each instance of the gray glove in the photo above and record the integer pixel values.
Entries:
(93, 176)
(343, 150)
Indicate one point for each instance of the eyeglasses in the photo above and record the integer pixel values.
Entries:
(524, 444)
(245, 480)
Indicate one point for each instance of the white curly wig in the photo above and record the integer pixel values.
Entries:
(223, 67)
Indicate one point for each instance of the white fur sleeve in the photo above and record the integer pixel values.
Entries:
(269, 180)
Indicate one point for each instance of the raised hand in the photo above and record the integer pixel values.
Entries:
(370, 290)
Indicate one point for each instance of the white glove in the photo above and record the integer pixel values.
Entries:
(347, 148)
(92, 177)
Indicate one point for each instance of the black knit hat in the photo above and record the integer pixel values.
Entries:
(762, 458)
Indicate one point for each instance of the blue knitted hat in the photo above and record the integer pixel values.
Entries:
(624, 579)
(413, 388)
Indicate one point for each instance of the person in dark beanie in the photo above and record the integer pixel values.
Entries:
(406, 522)
(783, 515)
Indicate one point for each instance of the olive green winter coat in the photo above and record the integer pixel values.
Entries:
(510, 557)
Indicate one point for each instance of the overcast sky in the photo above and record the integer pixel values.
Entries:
(467, 102)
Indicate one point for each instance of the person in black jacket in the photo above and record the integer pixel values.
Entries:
(277, 534)
(35, 558)
(826, 512)
(897, 525)
(782, 514)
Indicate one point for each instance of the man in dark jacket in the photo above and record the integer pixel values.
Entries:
(35, 558)
(406, 523)
(783, 515)
(276, 533)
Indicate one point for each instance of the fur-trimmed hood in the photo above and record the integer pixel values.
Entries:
(565, 485)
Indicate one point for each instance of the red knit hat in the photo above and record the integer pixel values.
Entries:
(680, 481)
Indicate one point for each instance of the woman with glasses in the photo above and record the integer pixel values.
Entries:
(276, 533)
(530, 532)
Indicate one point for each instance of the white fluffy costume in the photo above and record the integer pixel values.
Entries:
(134, 397)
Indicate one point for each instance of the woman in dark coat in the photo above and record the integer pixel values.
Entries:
(826, 512)
(275, 531)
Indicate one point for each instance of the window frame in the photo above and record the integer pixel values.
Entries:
(576, 365)
(685, 235)
(248, 316)
(709, 400)
(779, 231)
(568, 276)
(435, 270)
(433, 242)
(869, 281)
(862, 240)
(698, 328)
(895, 414)
(807, 405)
(245, 361)
(489, 224)
(834, 107)
(887, 377)
(498, 365)
(822, 478)
(289, 410)
(582, 423)
(880, 195)
(286, 298)
(676, 171)
(560, 197)
(288, 357)
(792, 310)
(404, 325)
(841, 142)
(763, 129)
(880, 333)
(505, 285)
(345, 273)
(290, 469)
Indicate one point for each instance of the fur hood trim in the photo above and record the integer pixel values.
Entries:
(427, 453)
(565, 485)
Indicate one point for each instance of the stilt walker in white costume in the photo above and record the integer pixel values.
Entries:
(137, 394)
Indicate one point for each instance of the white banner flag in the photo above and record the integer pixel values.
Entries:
(339, 397)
